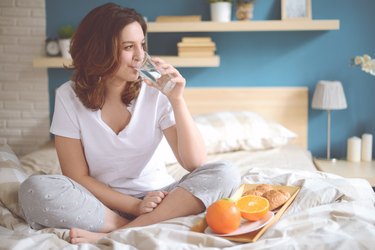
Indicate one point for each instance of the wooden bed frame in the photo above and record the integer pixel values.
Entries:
(285, 105)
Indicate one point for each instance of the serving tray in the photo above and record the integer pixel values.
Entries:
(201, 225)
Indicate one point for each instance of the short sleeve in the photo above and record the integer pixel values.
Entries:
(64, 121)
(167, 118)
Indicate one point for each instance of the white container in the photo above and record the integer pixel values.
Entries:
(221, 11)
(64, 48)
(354, 149)
(366, 147)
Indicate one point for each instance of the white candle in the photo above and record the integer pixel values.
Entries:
(367, 147)
(354, 149)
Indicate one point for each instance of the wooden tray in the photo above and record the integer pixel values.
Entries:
(201, 225)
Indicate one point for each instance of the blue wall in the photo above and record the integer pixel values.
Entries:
(268, 58)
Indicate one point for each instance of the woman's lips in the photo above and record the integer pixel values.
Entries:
(135, 66)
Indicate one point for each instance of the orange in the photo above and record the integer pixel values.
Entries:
(253, 207)
(223, 216)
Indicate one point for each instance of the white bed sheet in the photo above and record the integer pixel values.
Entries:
(330, 212)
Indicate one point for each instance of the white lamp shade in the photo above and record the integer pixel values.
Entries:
(329, 95)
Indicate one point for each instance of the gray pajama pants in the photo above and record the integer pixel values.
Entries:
(59, 202)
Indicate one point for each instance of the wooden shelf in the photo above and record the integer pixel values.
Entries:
(270, 25)
(59, 62)
(177, 61)
(51, 62)
(207, 26)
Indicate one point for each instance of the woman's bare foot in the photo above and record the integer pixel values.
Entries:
(82, 236)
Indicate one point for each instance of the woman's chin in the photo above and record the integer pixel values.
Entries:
(132, 77)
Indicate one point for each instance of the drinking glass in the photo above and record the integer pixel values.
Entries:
(148, 70)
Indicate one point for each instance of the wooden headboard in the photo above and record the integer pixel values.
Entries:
(285, 105)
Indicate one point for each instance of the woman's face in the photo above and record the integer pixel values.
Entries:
(132, 42)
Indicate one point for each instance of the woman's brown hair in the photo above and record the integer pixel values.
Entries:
(96, 51)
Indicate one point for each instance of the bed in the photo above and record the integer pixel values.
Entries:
(329, 212)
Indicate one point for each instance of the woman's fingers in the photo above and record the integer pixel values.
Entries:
(160, 194)
(157, 60)
(151, 204)
(146, 210)
(164, 67)
(152, 200)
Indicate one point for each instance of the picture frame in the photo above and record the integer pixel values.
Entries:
(296, 10)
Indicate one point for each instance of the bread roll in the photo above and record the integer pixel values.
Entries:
(259, 190)
(253, 192)
(276, 198)
(264, 188)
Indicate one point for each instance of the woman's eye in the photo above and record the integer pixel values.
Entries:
(128, 47)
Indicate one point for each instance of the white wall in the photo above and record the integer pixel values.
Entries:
(24, 105)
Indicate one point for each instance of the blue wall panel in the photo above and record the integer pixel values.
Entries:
(267, 58)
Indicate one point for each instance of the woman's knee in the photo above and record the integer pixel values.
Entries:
(40, 191)
(37, 187)
(212, 181)
(57, 201)
(30, 187)
(225, 173)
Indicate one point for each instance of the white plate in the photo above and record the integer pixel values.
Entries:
(246, 226)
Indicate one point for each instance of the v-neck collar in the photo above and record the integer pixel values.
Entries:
(130, 108)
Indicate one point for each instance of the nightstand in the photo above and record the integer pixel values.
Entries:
(365, 170)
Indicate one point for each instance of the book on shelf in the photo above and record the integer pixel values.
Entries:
(169, 19)
(196, 54)
(196, 45)
(198, 39)
(196, 49)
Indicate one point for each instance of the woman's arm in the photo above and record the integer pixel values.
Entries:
(184, 138)
(73, 165)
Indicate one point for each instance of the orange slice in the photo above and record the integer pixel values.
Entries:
(253, 207)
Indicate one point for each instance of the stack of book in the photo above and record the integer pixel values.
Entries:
(196, 47)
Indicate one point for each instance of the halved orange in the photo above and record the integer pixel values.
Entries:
(253, 207)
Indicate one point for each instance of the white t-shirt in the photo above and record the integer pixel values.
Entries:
(124, 161)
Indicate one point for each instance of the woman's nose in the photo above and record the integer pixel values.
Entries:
(139, 55)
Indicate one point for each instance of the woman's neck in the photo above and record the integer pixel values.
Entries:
(114, 89)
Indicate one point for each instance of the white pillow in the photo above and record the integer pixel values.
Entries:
(231, 131)
(41, 161)
(7, 154)
(11, 176)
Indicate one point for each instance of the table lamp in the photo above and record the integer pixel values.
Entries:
(329, 95)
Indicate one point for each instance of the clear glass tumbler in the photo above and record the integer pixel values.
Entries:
(148, 70)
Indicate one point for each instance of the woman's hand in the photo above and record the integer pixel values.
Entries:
(151, 201)
(169, 72)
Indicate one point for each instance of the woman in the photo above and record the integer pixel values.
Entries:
(107, 124)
